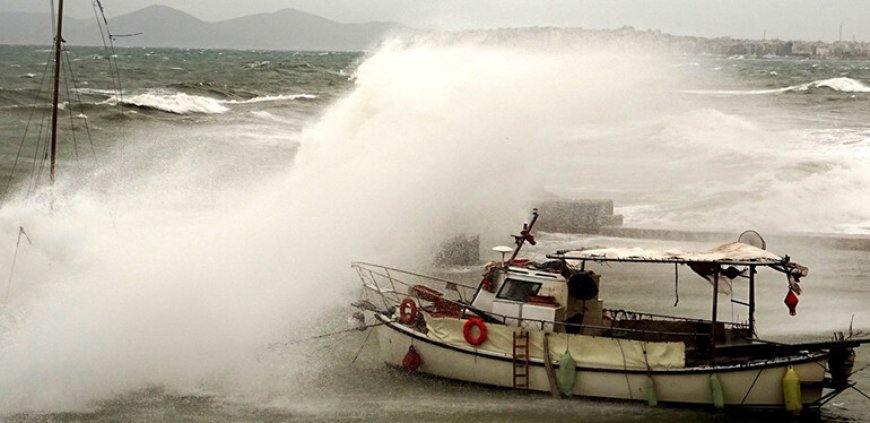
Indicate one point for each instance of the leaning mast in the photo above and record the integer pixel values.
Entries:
(58, 39)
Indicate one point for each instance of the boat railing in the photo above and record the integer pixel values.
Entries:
(619, 314)
(393, 285)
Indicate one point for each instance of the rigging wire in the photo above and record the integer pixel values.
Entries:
(27, 125)
(81, 110)
(325, 335)
(14, 259)
(69, 108)
(110, 51)
(41, 150)
(40, 156)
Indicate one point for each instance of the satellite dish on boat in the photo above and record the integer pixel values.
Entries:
(752, 238)
(503, 250)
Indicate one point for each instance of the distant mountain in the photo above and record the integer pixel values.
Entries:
(162, 26)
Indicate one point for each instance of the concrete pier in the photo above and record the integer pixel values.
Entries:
(576, 216)
(596, 217)
(833, 241)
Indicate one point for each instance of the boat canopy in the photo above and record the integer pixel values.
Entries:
(732, 254)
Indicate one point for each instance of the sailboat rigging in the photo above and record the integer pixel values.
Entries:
(61, 69)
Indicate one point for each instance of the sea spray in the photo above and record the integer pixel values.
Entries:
(162, 270)
(154, 274)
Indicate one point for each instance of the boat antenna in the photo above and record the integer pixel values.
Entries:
(525, 235)
(58, 40)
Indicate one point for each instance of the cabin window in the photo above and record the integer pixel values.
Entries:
(515, 290)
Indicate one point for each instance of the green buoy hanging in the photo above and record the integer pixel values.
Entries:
(567, 376)
(716, 391)
(652, 397)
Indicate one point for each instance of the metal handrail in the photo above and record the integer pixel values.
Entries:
(434, 278)
(360, 266)
(642, 315)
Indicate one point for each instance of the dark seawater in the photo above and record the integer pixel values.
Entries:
(213, 215)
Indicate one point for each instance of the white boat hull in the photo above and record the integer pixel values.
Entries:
(757, 385)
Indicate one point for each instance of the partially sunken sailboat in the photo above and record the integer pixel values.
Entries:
(541, 326)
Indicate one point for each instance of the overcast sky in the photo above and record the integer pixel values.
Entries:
(785, 19)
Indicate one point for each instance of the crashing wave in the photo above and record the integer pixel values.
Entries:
(178, 103)
(841, 84)
(96, 91)
(181, 103)
(269, 98)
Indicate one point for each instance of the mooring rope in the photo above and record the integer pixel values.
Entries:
(325, 335)
(359, 351)
(14, 259)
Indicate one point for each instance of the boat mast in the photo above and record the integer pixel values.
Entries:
(58, 39)
(525, 235)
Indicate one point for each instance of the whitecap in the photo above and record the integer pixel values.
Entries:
(841, 84)
(179, 103)
(269, 98)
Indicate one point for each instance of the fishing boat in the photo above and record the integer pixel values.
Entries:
(542, 326)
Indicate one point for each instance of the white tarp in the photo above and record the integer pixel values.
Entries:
(704, 262)
(734, 251)
(588, 351)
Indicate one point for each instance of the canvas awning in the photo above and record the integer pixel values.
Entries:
(731, 254)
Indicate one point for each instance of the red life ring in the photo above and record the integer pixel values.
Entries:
(481, 328)
(408, 316)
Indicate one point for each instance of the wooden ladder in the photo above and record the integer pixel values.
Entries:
(521, 359)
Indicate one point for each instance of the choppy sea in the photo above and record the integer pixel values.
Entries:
(208, 204)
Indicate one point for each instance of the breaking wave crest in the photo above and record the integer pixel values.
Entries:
(842, 84)
(182, 103)
(271, 98)
(178, 103)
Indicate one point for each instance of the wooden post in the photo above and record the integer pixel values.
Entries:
(715, 312)
(752, 301)
(548, 367)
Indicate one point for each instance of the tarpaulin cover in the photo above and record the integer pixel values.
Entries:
(734, 251)
(587, 351)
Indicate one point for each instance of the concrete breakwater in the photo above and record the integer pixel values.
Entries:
(596, 217)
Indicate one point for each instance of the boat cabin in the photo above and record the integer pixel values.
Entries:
(536, 296)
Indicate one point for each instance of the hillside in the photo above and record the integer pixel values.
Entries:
(162, 26)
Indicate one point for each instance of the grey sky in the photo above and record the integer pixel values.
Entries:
(785, 19)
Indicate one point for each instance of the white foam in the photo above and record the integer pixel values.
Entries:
(271, 98)
(97, 91)
(841, 84)
(179, 103)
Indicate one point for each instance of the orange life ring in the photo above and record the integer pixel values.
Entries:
(408, 316)
(481, 328)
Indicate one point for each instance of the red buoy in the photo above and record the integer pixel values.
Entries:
(412, 360)
(408, 311)
(474, 322)
(791, 301)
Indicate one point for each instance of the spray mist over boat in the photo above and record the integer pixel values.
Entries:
(156, 272)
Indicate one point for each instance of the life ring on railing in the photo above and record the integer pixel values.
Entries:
(408, 316)
(481, 329)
